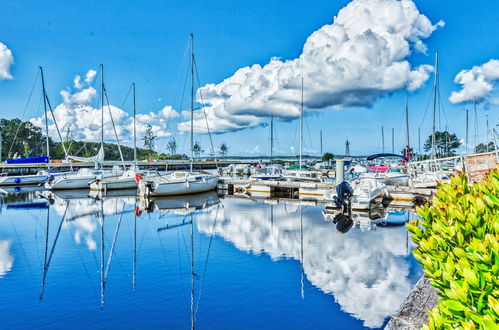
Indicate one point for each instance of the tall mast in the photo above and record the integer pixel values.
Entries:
(271, 137)
(46, 117)
(134, 127)
(321, 142)
(408, 142)
(301, 124)
(475, 126)
(467, 142)
(192, 100)
(487, 135)
(393, 140)
(435, 82)
(419, 142)
(382, 139)
(102, 106)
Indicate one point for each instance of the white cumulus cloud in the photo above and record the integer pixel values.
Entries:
(478, 83)
(354, 61)
(6, 60)
(83, 121)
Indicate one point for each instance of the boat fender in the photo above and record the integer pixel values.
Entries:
(17, 180)
(138, 177)
(137, 211)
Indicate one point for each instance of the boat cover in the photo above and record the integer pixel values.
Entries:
(387, 155)
(29, 160)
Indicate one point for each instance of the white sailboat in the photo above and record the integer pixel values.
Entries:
(181, 183)
(300, 174)
(84, 176)
(130, 178)
(41, 176)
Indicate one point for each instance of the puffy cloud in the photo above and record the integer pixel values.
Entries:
(89, 77)
(6, 60)
(478, 83)
(354, 61)
(83, 121)
(367, 273)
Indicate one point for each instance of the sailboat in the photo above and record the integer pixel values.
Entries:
(272, 171)
(300, 174)
(41, 176)
(429, 177)
(130, 178)
(181, 182)
(84, 176)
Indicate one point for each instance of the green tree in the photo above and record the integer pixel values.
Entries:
(481, 148)
(224, 149)
(18, 135)
(149, 140)
(196, 149)
(327, 157)
(445, 144)
(171, 146)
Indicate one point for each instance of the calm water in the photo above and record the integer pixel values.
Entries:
(69, 261)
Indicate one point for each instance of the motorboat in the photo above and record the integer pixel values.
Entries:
(302, 176)
(177, 183)
(428, 179)
(362, 192)
(272, 172)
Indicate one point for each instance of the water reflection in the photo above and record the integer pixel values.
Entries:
(6, 258)
(367, 273)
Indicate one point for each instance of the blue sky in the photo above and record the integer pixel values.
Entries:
(145, 42)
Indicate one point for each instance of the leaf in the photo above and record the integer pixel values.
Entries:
(470, 277)
(454, 305)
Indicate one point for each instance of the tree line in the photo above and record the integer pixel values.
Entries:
(23, 139)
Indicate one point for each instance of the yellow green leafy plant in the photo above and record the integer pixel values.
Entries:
(457, 239)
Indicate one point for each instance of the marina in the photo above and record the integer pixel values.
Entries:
(115, 258)
(249, 165)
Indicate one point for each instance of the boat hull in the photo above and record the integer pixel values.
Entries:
(23, 180)
(148, 188)
(103, 185)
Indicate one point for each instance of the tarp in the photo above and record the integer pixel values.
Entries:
(387, 155)
(29, 160)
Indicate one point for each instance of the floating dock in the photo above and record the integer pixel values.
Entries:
(404, 196)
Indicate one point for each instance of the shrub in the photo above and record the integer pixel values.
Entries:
(458, 245)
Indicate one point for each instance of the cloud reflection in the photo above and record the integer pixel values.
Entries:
(366, 272)
(6, 259)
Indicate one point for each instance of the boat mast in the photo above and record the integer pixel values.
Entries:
(301, 124)
(393, 140)
(475, 128)
(192, 100)
(435, 82)
(46, 118)
(408, 142)
(487, 135)
(271, 137)
(467, 142)
(134, 127)
(321, 142)
(102, 108)
(382, 139)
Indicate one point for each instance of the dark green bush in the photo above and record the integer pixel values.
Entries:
(458, 245)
